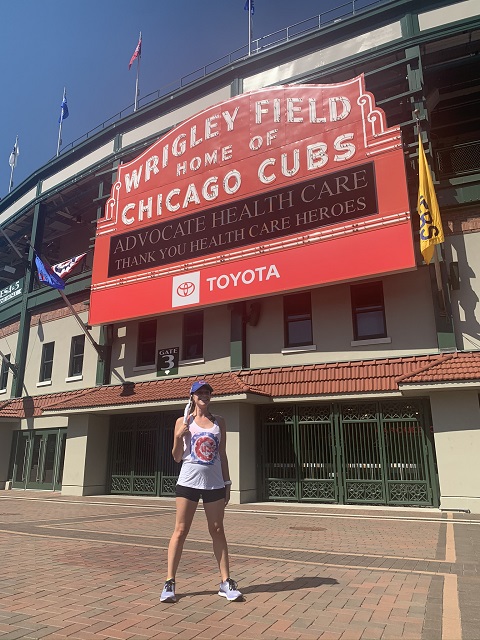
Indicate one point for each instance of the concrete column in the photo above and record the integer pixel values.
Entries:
(247, 454)
(241, 450)
(456, 424)
(86, 455)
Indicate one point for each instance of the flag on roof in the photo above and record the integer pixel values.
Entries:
(252, 7)
(12, 161)
(137, 53)
(46, 275)
(63, 108)
(63, 269)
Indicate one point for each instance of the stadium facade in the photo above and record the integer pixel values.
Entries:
(257, 228)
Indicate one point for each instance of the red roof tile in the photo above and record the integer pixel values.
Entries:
(450, 367)
(33, 406)
(333, 378)
(224, 384)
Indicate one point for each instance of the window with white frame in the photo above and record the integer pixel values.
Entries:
(46, 365)
(147, 343)
(77, 349)
(297, 315)
(368, 311)
(192, 335)
(4, 371)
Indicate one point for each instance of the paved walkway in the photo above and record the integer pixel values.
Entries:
(93, 568)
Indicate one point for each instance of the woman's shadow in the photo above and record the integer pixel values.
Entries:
(289, 585)
(284, 585)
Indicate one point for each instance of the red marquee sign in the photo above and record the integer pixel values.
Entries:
(275, 190)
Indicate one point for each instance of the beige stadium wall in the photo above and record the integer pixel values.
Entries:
(169, 334)
(456, 424)
(61, 332)
(248, 454)
(409, 315)
(240, 421)
(86, 455)
(8, 345)
(44, 422)
(465, 300)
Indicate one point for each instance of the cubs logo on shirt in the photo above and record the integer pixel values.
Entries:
(204, 448)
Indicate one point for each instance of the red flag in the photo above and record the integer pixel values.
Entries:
(63, 269)
(137, 53)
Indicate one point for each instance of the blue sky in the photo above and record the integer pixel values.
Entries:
(86, 46)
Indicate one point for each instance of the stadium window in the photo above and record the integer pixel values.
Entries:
(368, 311)
(147, 343)
(193, 335)
(4, 372)
(297, 315)
(77, 349)
(46, 365)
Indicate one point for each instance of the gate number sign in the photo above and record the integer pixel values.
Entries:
(167, 361)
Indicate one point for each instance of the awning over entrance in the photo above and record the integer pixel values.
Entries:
(362, 378)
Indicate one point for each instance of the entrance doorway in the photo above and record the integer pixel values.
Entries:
(348, 453)
(38, 458)
(141, 461)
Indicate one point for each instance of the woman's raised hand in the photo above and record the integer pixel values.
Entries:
(181, 430)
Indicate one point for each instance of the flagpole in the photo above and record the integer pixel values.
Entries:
(83, 326)
(61, 123)
(12, 366)
(249, 27)
(10, 185)
(137, 88)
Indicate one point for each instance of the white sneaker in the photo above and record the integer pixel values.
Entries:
(228, 589)
(168, 593)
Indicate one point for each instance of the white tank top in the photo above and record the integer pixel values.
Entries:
(201, 468)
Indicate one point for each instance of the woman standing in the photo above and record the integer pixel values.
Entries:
(199, 441)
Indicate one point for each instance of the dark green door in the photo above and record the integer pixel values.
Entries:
(20, 454)
(348, 453)
(38, 458)
(298, 460)
(141, 461)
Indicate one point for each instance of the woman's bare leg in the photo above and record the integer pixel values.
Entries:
(183, 520)
(215, 512)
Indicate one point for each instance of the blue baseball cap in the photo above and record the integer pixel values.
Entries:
(198, 385)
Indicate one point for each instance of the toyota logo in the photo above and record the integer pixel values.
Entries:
(185, 289)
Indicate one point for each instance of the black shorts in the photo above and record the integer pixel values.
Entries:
(207, 495)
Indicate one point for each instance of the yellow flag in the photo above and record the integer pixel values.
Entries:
(431, 230)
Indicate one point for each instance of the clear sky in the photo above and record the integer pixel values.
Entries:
(86, 45)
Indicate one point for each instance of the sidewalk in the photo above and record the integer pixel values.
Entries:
(92, 568)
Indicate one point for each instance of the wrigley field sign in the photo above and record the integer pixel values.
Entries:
(263, 183)
(309, 205)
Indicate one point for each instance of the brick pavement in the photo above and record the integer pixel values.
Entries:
(92, 569)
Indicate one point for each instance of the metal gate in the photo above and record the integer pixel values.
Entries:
(349, 453)
(141, 461)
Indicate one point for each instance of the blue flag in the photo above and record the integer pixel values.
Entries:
(46, 275)
(252, 8)
(63, 110)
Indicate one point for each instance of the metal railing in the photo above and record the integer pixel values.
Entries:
(322, 20)
(459, 159)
